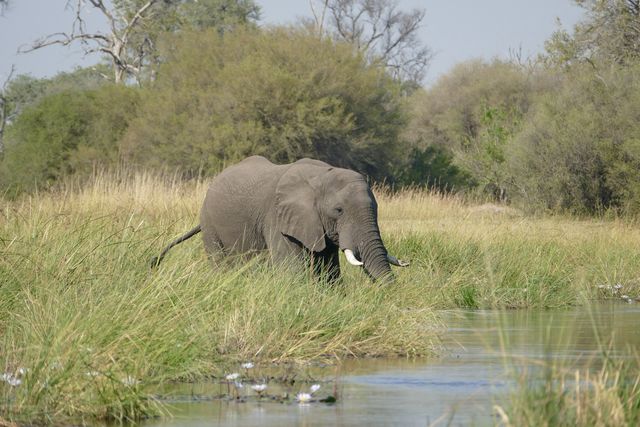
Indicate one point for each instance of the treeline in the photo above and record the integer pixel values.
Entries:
(559, 132)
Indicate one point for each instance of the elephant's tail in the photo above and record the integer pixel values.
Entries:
(156, 260)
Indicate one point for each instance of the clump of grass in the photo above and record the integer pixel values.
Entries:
(97, 331)
(605, 396)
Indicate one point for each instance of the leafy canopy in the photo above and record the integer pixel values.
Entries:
(282, 93)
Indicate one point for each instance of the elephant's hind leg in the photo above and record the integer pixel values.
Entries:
(213, 246)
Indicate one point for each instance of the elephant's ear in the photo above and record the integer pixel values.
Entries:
(296, 195)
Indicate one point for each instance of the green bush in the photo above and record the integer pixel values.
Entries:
(580, 150)
(282, 93)
(432, 167)
(70, 132)
(473, 113)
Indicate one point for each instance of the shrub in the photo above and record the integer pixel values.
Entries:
(282, 93)
(66, 133)
(580, 150)
(473, 113)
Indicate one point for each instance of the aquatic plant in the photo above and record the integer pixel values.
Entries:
(259, 388)
(303, 397)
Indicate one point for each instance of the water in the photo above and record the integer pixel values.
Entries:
(474, 373)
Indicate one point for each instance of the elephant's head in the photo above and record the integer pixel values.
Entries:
(321, 206)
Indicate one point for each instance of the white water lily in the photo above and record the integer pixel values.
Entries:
(14, 382)
(303, 397)
(247, 365)
(315, 388)
(259, 388)
(233, 376)
(11, 379)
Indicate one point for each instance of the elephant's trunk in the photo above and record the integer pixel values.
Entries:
(376, 263)
(373, 253)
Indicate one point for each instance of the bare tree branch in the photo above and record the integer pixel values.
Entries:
(385, 34)
(319, 20)
(126, 59)
(4, 108)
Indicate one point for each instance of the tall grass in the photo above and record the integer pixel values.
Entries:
(492, 256)
(97, 330)
(556, 395)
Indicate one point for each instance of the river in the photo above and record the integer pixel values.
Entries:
(481, 350)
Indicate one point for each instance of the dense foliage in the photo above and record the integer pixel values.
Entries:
(559, 132)
(281, 93)
(66, 133)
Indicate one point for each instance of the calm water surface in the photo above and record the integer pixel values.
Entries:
(457, 389)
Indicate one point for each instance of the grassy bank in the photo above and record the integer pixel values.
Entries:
(95, 330)
(489, 256)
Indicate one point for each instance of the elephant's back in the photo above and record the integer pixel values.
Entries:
(233, 209)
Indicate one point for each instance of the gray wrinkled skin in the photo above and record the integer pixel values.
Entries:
(306, 211)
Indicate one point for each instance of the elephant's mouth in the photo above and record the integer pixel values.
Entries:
(333, 237)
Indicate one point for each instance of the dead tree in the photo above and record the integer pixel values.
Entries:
(127, 60)
(385, 34)
(4, 109)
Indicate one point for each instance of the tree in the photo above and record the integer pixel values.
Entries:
(134, 26)
(610, 34)
(123, 19)
(580, 149)
(281, 93)
(23, 91)
(431, 167)
(384, 33)
(4, 109)
(69, 132)
(223, 15)
(473, 113)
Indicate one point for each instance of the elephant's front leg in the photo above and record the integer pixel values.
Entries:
(327, 264)
(286, 250)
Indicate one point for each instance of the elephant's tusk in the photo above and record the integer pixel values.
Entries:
(397, 262)
(352, 258)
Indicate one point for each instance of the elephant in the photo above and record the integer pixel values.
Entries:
(306, 211)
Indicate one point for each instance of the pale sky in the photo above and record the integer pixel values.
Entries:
(455, 30)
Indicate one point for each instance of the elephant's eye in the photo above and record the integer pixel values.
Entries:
(338, 211)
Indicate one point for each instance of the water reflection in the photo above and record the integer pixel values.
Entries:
(457, 389)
